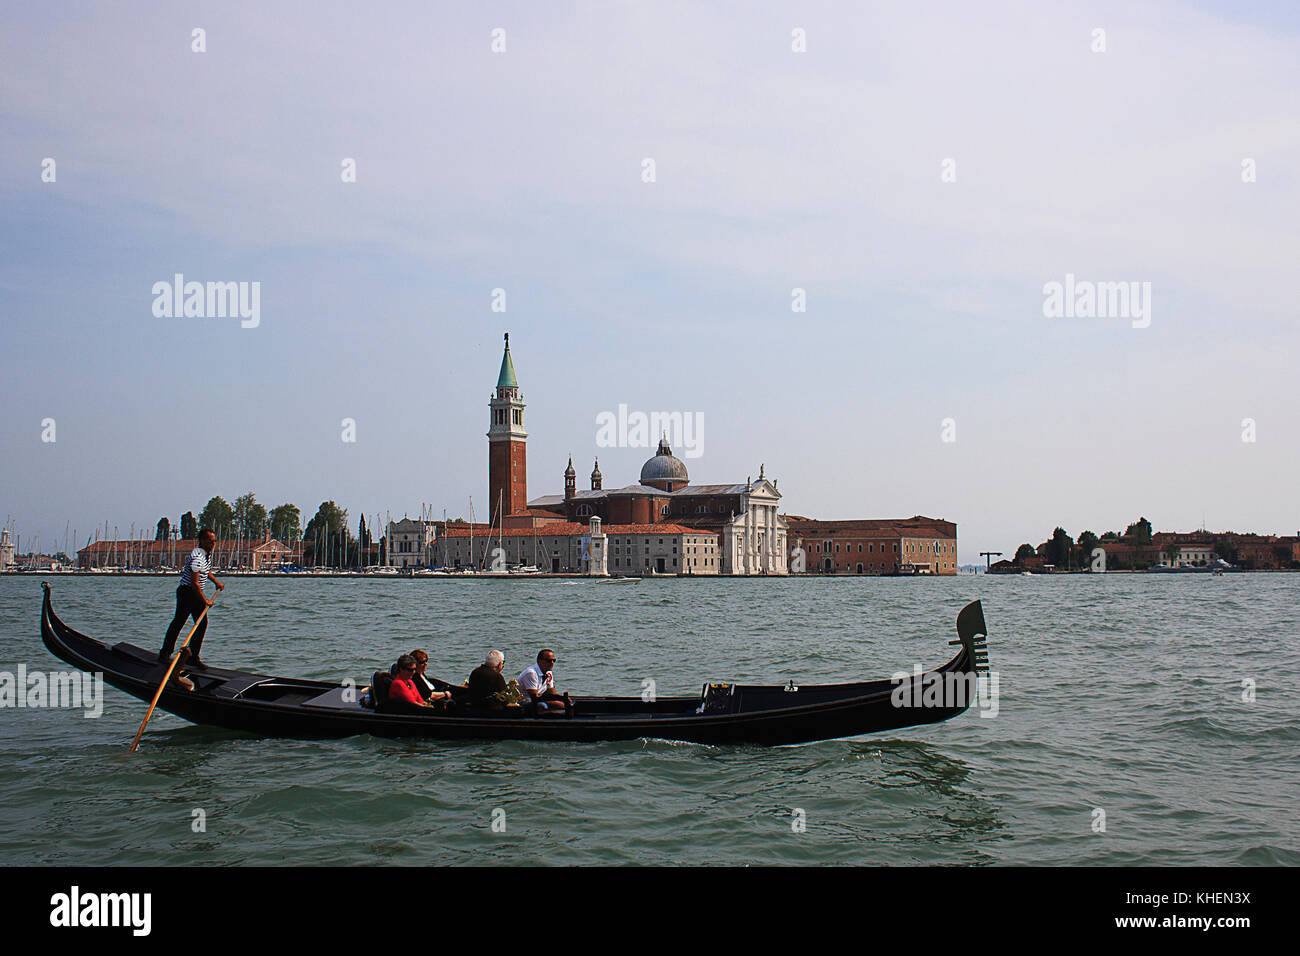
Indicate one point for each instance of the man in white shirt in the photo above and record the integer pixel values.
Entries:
(537, 683)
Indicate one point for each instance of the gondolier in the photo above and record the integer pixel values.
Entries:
(191, 601)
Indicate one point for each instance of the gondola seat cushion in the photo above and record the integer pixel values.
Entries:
(379, 686)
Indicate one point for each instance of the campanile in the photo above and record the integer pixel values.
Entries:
(507, 455)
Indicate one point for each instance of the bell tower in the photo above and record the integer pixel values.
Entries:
(507, 456)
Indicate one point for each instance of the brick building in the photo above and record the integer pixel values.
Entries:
(916, 545)
(507, 444)
(263, 555)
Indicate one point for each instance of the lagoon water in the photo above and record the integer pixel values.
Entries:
(1118, 694)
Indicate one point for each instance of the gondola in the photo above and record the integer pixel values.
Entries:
(722, 714)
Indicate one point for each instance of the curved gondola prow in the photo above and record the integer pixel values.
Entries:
(47, 612)
(49, 632)
(972, 634)
(55, 634)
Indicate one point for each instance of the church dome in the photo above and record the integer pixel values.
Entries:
(664, 466)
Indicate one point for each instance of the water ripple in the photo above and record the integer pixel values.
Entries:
(1120, 695)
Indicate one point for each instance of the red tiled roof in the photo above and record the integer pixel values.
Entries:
(917, 526)
(183, 547)
(551, 528)
(561, 528)
(651, 529)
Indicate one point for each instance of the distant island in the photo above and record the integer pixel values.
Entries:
(1141, 549)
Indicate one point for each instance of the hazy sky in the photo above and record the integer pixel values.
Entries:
(775, 170)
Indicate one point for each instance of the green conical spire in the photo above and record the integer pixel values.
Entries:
(507, 377)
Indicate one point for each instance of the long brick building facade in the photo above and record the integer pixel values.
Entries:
(266, 554)
(916, 545)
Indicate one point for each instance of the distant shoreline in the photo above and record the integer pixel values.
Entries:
(547, 575)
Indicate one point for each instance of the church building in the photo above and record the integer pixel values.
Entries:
(751, 534)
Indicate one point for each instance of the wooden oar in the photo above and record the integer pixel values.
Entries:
(166, 677)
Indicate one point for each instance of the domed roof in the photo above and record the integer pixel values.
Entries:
(664, 466)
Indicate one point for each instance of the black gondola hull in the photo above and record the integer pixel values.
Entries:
(288, 707)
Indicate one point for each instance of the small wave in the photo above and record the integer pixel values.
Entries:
(1207, 728)
(665, 742)
(1268, 856)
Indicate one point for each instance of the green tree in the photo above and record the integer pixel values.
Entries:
(286, 521)
(189, 526)
(1087, 542)
(1023, 552)
(331, 543)
(1139, 531)
(164, 529)
(250, 517)
(1059, 548)
(1172, 551)
(218, 517)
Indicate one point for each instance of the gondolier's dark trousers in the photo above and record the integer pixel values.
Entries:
(187, 605)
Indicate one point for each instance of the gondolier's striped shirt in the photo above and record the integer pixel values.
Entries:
(196, 566)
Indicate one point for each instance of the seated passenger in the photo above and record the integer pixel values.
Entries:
(403, 687)
(488, 690)
(422, 682)
(537, 684)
